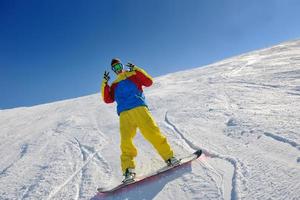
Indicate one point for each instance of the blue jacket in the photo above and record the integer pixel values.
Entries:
(127, 89)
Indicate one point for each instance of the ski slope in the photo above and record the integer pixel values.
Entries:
(244, 112)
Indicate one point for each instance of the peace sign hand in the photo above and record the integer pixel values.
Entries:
(106, 76)
(130, 66)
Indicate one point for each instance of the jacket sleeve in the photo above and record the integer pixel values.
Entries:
(107, 92)
(143, 76)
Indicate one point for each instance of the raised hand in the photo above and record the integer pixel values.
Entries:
(106, 76)
(130, 66)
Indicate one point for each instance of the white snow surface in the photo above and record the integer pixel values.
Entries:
(244, 112)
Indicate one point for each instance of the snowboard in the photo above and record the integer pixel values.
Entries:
(183, 161)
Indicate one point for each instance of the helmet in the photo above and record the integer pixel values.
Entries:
(115, 61)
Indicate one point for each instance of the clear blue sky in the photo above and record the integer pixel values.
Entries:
(58, 49)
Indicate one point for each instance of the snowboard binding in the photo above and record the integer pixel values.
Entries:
(129, 175)
(172, 162)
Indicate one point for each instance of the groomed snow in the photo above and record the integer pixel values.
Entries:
(244, 112)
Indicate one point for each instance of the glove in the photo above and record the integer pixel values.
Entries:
(106, 76)
(130, 66)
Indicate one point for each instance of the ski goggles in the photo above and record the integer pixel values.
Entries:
(117, 67)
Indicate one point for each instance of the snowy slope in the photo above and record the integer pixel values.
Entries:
(243, 111)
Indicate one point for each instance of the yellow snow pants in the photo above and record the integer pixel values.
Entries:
(141, 118)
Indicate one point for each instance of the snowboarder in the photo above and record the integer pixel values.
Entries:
(127, 91)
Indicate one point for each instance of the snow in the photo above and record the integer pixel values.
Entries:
(244, 112)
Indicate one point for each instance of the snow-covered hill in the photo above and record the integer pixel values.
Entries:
(244, 112)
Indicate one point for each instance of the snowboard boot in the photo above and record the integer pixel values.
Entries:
(172, 162)
(129, 175)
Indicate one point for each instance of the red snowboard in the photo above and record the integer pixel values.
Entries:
(137, 180)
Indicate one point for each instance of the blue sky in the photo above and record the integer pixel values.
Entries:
(59, 49)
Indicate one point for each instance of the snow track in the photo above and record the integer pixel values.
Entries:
(239, 168)
(80, 175)
(55, 191)
(282, 139)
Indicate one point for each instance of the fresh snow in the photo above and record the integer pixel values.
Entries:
(244, 112)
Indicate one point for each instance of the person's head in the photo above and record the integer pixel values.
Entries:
(116, 65)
